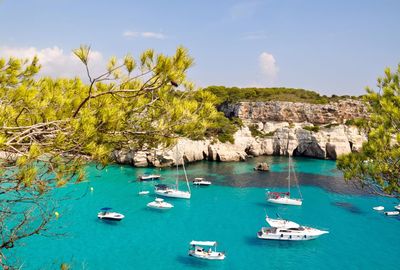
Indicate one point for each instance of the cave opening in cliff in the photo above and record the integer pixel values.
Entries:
(309, 150)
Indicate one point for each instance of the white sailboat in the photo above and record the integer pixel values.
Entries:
(174, 192)
(284, 197)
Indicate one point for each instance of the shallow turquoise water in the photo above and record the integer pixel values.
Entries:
(231, 212)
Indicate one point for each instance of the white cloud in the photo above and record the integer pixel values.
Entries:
(57, 63)
(131, 34)
(268, 67)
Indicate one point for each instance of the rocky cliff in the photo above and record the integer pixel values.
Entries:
(279, 111)
(282, 128)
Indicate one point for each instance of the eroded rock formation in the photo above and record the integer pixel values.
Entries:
(284, 128)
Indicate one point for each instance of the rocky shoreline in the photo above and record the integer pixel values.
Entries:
(283, 128)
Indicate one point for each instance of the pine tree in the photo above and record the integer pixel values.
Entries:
(377, 165)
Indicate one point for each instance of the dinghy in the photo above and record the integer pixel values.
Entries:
(378, 208)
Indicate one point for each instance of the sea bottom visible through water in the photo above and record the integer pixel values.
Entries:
(230, 211)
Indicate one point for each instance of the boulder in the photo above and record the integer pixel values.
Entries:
(263, 166)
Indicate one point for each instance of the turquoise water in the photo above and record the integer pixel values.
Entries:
(231, 212)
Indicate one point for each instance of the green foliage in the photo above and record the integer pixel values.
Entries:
(377, 165)
(222, 128)
(312, 128)
(257, 133)
(50, 128)
(235, 94)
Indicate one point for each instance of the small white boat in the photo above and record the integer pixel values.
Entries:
(300, 233)
(199, 181)
(392, 213)
(378, 208)
(197, 250)
(144, 192)
(106, 214)
(159, 203)
(147, 177)
(397, 207)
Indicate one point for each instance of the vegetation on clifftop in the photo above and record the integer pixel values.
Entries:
(235, 94)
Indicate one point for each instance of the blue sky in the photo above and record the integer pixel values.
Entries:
(333, 47)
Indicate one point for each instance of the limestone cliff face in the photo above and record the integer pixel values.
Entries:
(282, 131)
(279, 111)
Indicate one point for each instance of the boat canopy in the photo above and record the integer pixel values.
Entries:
(105, 208)
(204, 243)
(159, 200)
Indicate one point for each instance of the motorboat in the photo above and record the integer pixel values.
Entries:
(144, 192)
(147, 177)
(159, 203)
(392, 213)
(172, 192)
(106, 214)
(378, 208)
(397, 207)
(199, 181)
(300, 233)
(285, 197)
(197, 250)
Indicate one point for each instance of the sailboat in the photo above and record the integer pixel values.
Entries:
(174, 192)
(284, 197)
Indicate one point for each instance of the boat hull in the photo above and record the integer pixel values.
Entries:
(164, 206)
(149, 177)
(286, 237)
(173, 193)
(287, 201)
(392, 213)
(207, 256)
(201, 183)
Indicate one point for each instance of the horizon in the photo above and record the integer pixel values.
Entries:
(330, 48)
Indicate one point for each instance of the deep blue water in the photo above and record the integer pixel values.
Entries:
(231, 211)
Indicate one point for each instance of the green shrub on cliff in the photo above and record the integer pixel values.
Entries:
(235, 94)
(312, 128)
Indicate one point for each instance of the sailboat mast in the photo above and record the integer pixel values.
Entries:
(289, 177)
(177, 167)
(184, 171)
(287, 150)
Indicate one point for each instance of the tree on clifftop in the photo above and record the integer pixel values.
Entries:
(49, 128)
(377, 165)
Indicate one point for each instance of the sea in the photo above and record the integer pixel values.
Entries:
(231, 211)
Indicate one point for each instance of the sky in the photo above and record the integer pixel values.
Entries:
(329, 46)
